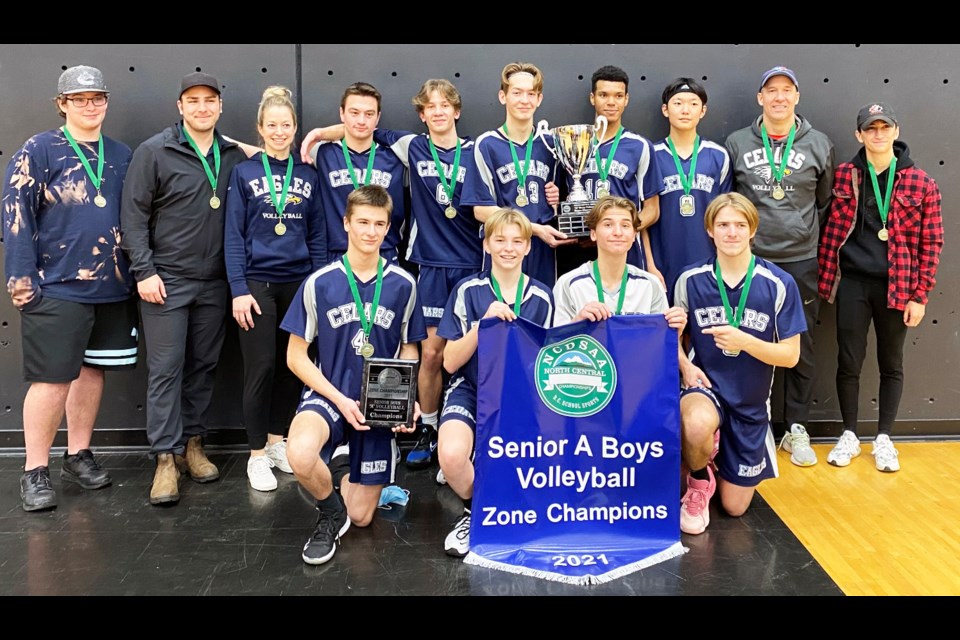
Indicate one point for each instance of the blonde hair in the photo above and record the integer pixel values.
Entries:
(444, 87)
(735, 201)
(606, 203)
(521, 67)
(275, 96)
(502, 217)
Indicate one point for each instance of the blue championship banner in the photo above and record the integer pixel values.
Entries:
(578, 449)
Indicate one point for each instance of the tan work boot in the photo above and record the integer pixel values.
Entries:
(196, 463)
(166, 481)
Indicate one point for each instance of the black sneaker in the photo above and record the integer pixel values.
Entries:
(424, 452)
(331, 524)
(36, 491)
(84, 470)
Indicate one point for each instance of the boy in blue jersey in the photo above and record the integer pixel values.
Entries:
(745, 319)
(694, 171)
(356, 160)
(69, 280)
(516, 171)
(502, 292)
(444, 238)
(352, 304)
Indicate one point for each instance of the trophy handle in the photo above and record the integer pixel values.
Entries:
(542, 129)
(601, 123)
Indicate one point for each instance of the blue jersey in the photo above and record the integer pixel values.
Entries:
(469, 302)
(324, 311)
(678, 239)
(53, 232)
(252, 249)
(336, 185)
(435, 240)
(773, 313)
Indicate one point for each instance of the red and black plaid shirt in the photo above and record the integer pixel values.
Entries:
(914, 224)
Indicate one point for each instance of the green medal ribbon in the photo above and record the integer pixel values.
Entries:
(280, 204)
(521, 171)
(212, 176)
(734, 319)
(352, 169)
(777, 172)
(95, 179)
(686, 181)
(366, 321)
(623, 286)
(883, 204)
(604, 169)
(450, 187)
(517, 300)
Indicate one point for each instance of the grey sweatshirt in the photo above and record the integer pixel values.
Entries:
(789, 228)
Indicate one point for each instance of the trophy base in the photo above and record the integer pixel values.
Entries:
(573, 218)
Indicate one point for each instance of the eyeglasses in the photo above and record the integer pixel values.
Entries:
(81, 102)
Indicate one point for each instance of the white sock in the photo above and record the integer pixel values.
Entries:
(429, 419)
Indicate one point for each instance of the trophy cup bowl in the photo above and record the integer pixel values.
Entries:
(573, 145)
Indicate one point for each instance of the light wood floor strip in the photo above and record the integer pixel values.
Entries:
(877, 533)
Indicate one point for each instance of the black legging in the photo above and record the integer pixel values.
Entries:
(859, 302)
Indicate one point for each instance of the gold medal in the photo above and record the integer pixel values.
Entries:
(883, 234)
(280, 229)
(602, 190)
(100, 201)
(731, 354)
(450, 212)
(522, 200)
(367, 350)
(778, 193)
(687, 205)
(214, 202)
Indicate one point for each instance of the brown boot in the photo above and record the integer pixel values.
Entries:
(196, 463)
(166, 481)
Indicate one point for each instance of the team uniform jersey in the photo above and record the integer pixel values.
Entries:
(252, 248)
(466, 307)
(741, 383)
(495, 183)
(632, 174)
(54, 234)
(323, 311)
(436, 240)
(336, 185)
(576, 288)
(679, 240)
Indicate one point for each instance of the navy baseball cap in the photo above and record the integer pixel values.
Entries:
(778, 71)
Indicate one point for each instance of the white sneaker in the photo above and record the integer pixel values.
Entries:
(796, 442)
(278, 456)
(259, 473)
(846, 449)
(457, 543)
(885, 454)
(441, 479)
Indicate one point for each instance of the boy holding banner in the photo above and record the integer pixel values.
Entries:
(502, 292)
(746, 318)
(354, 308)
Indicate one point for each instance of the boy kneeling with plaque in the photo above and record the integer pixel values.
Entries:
(502, 292)
(354, 308)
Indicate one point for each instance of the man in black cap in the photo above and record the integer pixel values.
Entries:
(69, 280)
(884, 234)
(785, 167)
(173, 232)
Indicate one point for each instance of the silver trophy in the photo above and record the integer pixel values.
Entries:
(573, 146)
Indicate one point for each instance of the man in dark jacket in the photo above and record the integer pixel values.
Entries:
(172, 217)
(785, 167)
(884, 235)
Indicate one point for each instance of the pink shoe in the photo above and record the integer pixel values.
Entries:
(695, 506)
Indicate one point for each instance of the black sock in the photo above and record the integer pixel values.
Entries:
(468, 504)
(700, 474)
(331, 503)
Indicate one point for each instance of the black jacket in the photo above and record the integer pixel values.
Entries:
(167, 221)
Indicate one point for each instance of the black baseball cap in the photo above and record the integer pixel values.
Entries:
(199, 79)
(873, 112)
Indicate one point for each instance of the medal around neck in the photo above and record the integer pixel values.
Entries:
(214, 202)
(388, 392)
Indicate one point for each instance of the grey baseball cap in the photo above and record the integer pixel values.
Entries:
(79, 79)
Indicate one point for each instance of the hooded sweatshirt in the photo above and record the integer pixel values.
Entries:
(789, 228)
